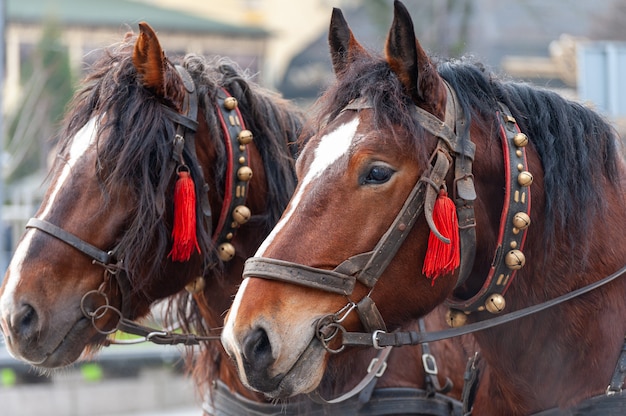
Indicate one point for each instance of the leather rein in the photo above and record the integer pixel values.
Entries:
(236, 191)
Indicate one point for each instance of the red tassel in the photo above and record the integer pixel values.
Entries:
(184, 230)
(443, 258)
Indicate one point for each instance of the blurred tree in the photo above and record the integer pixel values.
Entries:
(47, 86)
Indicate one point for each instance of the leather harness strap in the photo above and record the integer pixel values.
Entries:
(236, 187)
(508, 257)
(397, 339)
(384, 401)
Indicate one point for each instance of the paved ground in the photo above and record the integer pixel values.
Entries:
(127, 382)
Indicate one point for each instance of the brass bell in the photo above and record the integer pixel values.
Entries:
(521, 220)
(520, 140)
(495, 303)
(230, 103)
(244, 173)
(196, 285)
(226, 251)
(245, 137)
(455, 318)
(525, 178)
(241, 214)
(514, 260)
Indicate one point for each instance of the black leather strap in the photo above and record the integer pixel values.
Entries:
(70, 239)
(619, 375)
(398, 339)
(601, 405)
(384, 401)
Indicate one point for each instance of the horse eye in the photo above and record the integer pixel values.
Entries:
(378, 175)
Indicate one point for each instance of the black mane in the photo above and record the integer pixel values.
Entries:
(577, 146)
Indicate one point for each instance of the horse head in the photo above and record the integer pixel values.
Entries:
(416, 192)
(137, 208)
(362, 163)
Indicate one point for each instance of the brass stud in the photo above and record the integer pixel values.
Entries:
(241, 214)
(226, 251)
(242, 160)
(519, 153)
(521, 220)
(229, 236)
(525, 178)
(520, 167)
(515, 260)
(495, 303)
(455, 318)
(230, 103)
(513, 244)
(520, 140)
(245, 137)
(196, 285)
(244, 173)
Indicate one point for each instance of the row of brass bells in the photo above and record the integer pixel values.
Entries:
(241, 213)
(514, 259)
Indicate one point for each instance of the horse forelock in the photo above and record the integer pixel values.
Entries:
(372, 79)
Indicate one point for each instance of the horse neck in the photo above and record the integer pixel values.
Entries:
(568, 352)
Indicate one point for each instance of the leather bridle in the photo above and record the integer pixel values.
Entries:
(367, 267)
(112, 262)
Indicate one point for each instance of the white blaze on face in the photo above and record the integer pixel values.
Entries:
(330, 148)
(83, 140)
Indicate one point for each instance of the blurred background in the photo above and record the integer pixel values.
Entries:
(576, 47)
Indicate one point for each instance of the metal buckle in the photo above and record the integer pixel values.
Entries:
(612, 392)
(430, 365)
(375, 339)
(381, 370)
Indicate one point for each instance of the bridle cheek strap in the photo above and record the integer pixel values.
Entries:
(101, 257)
(365, 268)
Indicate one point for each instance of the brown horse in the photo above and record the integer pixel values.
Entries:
(100, 246)
(402, 135)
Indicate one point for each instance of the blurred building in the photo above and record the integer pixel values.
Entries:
(87, 25)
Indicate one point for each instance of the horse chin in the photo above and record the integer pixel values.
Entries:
(303, 377)
(57, 351)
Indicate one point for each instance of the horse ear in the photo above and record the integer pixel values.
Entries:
(407, 58)
(149, 59)
(344, 48)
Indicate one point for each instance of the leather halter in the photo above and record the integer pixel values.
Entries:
(367, 267)
(183, 143)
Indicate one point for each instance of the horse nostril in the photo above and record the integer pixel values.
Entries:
(23, 322)
(257, 349)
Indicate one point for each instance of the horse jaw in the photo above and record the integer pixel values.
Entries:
(298, 358)
(40, 331)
